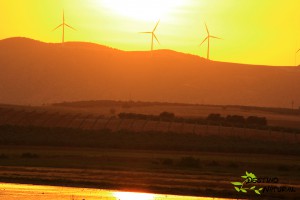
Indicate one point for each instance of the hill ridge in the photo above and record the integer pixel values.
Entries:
(35, 72)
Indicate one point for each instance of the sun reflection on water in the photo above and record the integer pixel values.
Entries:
(38, 192)
(133, 196)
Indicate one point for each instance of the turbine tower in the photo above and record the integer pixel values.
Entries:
(296, 57)
(63, 27)
(153, 35)
(208, 40)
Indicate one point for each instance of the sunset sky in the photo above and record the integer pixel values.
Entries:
(255, 32)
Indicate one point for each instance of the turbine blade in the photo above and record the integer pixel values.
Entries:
(156, 26)
(206, 29)
(203, 41)
(70, 27)
(57, 27)
(215, 37)
(156, 38)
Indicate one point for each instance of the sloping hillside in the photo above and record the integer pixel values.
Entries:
(33, 72)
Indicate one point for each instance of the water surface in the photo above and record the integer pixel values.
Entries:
(37, 192)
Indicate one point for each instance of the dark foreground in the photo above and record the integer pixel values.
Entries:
(170, 163)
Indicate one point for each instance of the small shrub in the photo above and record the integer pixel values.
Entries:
(166, 116)
(214, 117)
(257, 121)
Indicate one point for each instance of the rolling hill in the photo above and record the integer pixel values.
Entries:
(34, 72)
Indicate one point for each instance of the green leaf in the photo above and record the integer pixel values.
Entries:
(244, 176)
(237, 189)
(243, 190)
(257, 191)
(261, 189)
(252, 175)
(252, 188)
(236, 183)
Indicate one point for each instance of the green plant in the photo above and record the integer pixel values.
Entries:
(241, 188)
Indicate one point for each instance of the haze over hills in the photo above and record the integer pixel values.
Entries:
(34, 72)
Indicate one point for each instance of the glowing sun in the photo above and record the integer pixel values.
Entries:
(143, 9)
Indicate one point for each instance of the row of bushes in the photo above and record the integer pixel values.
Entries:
(164, 116)
(252, 122)
(214, 119)
(237, 119)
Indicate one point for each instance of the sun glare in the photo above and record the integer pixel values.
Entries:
(143, 9)
(133, 195)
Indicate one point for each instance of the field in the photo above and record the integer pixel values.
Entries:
(104, 115)
(90, 146)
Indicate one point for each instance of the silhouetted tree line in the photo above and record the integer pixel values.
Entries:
(212, 119)
(252, 122)
(238, 120)
(164, 116)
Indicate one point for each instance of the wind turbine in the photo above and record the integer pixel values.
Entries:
(296, 57)
(208, 40)
(153, 35)
(63, 27)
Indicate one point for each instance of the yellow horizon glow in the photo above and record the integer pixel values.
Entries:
(254, 32)
(145, 10)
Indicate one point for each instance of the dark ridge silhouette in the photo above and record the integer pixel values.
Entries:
(34, 72)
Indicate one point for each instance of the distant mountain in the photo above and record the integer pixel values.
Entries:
(34, 72)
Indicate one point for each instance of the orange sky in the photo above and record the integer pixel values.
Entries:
(256, 32)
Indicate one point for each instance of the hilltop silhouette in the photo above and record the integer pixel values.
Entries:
(34, 72)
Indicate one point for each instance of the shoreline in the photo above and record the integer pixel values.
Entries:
(90, 185)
